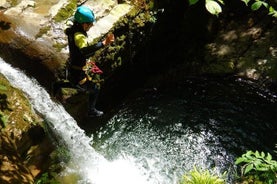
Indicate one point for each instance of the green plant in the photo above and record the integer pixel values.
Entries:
(258, 167)
(42, 31)
(196, 176)
(66, 11)
(45, 179)
(214, 7)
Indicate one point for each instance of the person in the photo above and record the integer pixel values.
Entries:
(79, 53)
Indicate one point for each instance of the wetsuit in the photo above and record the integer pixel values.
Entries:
(80, 51)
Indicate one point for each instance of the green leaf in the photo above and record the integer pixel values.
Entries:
(257, 154)
(192, 2)
(213, 7)
(249, 154)
(246, 2)
(255, 6)
(262, 169)
(257, 163)
(248, 168)
(268, 157)
(272, 12)
(221, 1)
(240, 160)
(262, 154)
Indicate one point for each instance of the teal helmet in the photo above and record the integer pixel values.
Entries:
(84, 14)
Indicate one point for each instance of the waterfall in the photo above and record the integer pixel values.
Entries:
(85, 161)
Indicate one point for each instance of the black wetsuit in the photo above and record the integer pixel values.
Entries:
(77, 59)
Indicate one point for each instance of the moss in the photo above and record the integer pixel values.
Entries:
(131, 32)
(59, 46)
(42, 31)
(15, 109)
(66, 12)
(13, 2)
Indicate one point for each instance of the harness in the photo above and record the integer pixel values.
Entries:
(92, 73)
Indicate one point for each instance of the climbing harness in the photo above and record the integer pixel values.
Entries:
(92, 73)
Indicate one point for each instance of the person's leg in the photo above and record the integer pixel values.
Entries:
(92, 99)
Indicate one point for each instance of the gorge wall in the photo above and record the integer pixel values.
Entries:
(157, 49)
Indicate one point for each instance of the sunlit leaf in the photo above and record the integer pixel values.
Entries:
(257, 154)
(245, 1)
(268, 157)
(262, 169)
(248, 168)
(213, 7)
(272, 12)
(255, 6)
(257, 162)
(192, 2)
(240, 160)
(249, 155)
(262, 154)
(221, 1)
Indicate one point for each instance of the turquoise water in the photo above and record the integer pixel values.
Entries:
(201, 122)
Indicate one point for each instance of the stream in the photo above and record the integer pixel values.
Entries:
(155, 137)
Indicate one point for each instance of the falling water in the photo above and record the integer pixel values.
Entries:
(86, 162)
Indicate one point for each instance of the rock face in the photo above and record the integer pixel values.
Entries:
(34, 32)
(24, 146)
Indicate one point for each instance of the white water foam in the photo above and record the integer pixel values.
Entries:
(90, 165)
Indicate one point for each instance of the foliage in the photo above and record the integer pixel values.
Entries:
(211, 5)
(131, 33)
(3, 120)
(199, 177)
(45, 179)
(42, 31)
(258, 167)
(3, 87)
(65, 12)
(214, 7)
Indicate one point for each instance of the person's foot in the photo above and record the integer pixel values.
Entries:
(95, 113)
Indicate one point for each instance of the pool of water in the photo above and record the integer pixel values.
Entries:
(205, 123)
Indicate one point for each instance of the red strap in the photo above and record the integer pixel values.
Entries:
(95, 69)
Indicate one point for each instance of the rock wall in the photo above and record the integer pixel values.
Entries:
(24, 147)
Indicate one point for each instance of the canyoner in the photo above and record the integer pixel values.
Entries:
(83, 73)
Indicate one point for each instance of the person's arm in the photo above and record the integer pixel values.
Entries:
(86, 50)
(89, 50)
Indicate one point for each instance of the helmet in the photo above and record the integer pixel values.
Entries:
(84, 15)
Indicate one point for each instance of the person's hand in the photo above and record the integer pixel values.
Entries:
(109, 39)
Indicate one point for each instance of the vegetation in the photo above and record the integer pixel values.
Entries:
(131, 28)
(196, 176)
(13, 2)
(45, 179)
(42, 31)
(65, 12)
(257, 167)
(214, 6)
